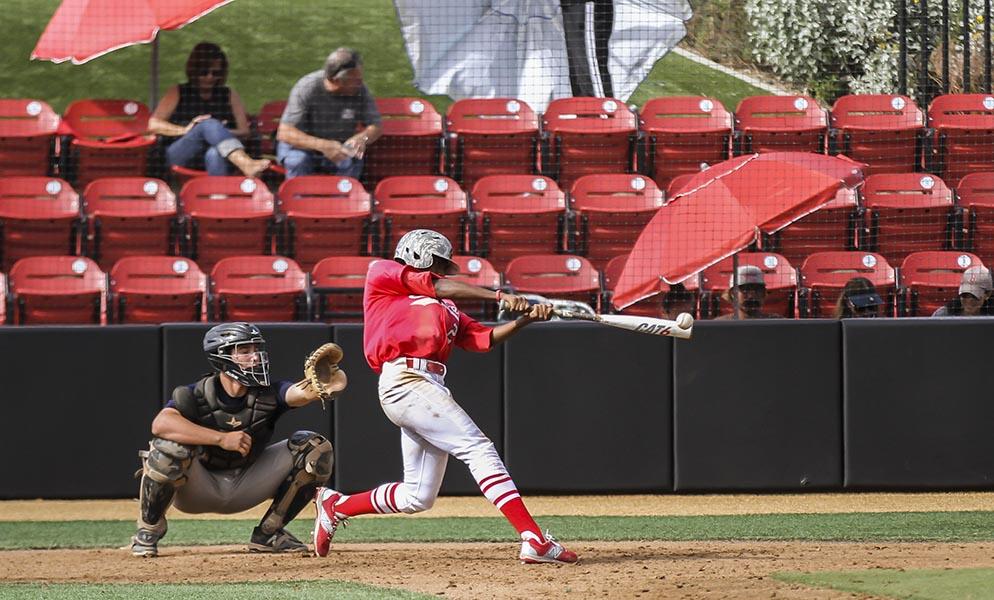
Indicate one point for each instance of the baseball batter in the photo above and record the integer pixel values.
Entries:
(211, 453)
(411, 326)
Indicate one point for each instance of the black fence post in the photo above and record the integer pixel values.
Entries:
(987, 46)
(924, 93)
(945, 46)
(902, 54)
(966, 47)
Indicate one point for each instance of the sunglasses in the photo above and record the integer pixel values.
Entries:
(213, 73)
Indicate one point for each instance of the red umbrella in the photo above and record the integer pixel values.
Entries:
(81, 30)
(723, 209)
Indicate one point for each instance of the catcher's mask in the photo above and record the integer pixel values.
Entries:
(239, 351)
(420, 248)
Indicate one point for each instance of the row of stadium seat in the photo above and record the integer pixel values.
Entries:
(316, 216)
(154, 289)
(503, 217)
(670, 136)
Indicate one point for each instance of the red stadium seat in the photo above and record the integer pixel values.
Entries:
(976, 197)
(908, 212)
(266, 123)
(824, 275)
(27, 137)
(109, 139)
(421, 201)
(780, 123)
(47, 290)
(325, 215)
(411, 141)
(587, 136)
(264, 146)
(830, 228)
(684, 134)
(882, 130)
(337, 283)
(927, 280)
(961, 136)
(490, 136)
(183, 174)
(477, 271)
(39, 216)
(130, 216)
(517, 215)
(781, 284)
(258, 288)
(227, 216)
(652, 306)
(612, 211)
(675, 186)
(157, 289)
(560, 276)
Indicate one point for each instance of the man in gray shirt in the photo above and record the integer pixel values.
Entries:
(318, 130)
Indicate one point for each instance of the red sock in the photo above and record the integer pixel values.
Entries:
(516, 512)
(380, 499)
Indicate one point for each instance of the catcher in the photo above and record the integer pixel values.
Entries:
(210, 449)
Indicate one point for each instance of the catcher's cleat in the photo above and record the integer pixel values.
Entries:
(327, 520)
(280, 542)
(145, 543)
(551, 551)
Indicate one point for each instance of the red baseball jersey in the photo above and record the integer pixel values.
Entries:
(403, 317)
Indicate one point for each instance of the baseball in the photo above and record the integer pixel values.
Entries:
(684, 320)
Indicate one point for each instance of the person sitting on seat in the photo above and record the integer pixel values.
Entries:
(678, 300)
(206, 118)
(859, 300)
(974, 296)
(747, 294)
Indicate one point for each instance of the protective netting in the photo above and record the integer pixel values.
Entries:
(839, 162)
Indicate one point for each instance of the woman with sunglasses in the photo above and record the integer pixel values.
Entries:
(206, 118)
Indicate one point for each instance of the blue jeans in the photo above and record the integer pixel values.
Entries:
(210, 140)
(307, 162)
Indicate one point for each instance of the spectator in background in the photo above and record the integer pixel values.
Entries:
(859, 300)
(974, 295)
(206, 117)
(747, 294)
(678, 300)
(317, 133)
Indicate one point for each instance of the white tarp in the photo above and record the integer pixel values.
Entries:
(517, 48)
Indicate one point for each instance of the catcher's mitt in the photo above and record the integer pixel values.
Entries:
(322, 374)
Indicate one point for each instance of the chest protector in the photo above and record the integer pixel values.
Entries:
(257, 417)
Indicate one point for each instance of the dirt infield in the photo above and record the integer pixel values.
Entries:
(480, 570)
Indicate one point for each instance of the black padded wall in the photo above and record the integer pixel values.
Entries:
(78, 401)
(367, 444)
(184, 362)
(588, 408)
(919, 403)
(758, 406)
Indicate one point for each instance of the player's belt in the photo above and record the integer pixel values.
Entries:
(428, 366)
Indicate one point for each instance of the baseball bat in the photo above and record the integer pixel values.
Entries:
(647, 325)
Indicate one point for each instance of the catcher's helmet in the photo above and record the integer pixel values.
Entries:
(420, 247)
(222, 340)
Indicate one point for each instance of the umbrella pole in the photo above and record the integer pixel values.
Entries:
(153, 78)
(735, 284)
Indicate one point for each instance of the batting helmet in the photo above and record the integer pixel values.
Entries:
(221, 343)
(420, 248)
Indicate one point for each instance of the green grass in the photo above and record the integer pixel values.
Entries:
(270, 45)
(924, 584)
(298, 590)
(940, 526)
